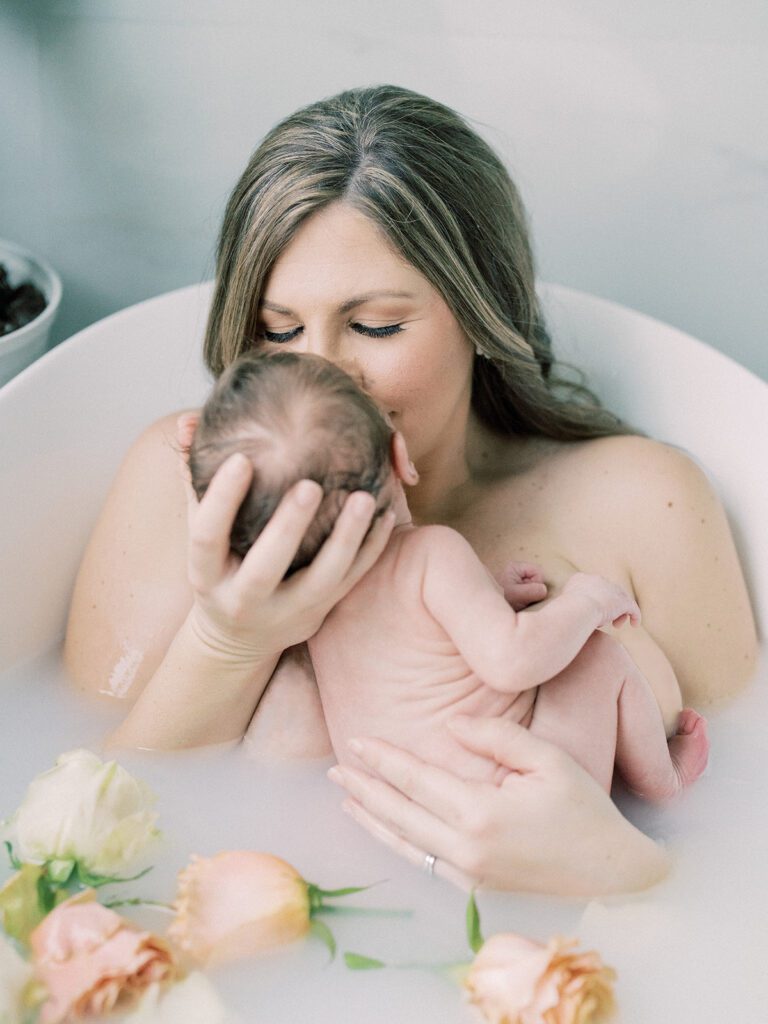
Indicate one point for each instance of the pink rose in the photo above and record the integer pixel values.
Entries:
(237, 904)
(515, 981)
(89, 959)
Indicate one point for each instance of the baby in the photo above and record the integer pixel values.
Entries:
(428, 632)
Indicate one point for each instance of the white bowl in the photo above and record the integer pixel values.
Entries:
(21, 347)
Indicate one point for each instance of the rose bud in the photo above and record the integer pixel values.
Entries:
(83, 811)
(516, 981)
(90, 960)
(238, 904)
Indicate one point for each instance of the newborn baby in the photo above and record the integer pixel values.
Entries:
(428, 632)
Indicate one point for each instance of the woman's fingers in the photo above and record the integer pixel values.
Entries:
(440, 792)
(274, 549)
(369, 550)
(506, 742)
(211, 521)
(396, 812)
(337, 555)
(442, 868)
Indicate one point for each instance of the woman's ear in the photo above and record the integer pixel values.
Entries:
(401, 462)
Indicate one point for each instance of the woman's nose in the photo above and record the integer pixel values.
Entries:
(330, 346)
(319, 343)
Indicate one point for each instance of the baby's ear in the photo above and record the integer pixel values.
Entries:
(401, 462)
(186, 425)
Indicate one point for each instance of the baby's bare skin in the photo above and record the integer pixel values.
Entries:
(428, 634)
(403, 690)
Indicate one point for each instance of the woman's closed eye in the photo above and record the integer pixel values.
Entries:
(386, 331)
(280, 336)
(377, 332)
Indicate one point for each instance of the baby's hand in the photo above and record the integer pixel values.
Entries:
(523, 584)
(614, 604)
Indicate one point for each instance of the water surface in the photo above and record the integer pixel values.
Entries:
(693, 949)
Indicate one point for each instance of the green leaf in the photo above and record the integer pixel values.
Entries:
(15, 862)
(356, 962)
(474, 935)
(317, 896)
(94, 881)
(333, 893)
(59, 872)
(21, 908)
(46, 894)
(324, 933)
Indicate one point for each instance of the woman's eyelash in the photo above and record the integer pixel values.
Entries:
(370, 332)
(275, 336)
(377, 332)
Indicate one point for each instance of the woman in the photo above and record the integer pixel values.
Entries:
(379, 231)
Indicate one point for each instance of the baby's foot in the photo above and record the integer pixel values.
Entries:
(689, 747)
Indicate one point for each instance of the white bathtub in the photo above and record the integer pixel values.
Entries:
(692, 950)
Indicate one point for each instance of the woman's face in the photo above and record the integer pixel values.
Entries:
(340, 291)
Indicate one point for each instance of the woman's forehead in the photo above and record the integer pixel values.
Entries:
(339, 254)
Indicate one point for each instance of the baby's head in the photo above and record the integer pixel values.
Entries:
(296, 417)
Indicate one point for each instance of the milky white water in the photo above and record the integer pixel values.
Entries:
(694, 949)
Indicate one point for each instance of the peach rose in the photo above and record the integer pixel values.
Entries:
(516, 981)
(89, 959)
(237, 904)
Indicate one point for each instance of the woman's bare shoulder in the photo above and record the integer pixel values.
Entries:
(630, 457)
(650, 508)
(131, 592)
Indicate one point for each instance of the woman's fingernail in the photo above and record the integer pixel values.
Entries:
(362, 503)
(334, 774)
(237, 463)
(356, 747)
(306, 492)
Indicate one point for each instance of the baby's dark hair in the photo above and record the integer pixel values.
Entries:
(296, 417)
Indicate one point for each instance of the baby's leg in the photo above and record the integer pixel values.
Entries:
(601, 709)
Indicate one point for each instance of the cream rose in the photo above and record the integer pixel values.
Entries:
(15, 985)
(83, 810)
(513, 980)
(237, 904)
(90, 959)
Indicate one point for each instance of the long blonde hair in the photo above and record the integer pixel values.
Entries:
(447, 205)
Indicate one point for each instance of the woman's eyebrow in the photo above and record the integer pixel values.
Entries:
(346, 306)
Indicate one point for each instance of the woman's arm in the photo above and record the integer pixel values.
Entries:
(549, 827)
(206, 673)
(132, 594)
(661, 515)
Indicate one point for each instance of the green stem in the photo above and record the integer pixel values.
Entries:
(455, 970)
(372, 911)
(137, 902)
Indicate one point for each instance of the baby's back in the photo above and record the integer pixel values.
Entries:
(385, 667)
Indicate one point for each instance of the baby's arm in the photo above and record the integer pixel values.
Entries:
(513, 651)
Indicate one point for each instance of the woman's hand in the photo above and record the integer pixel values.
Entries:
(548, 827)
(243, 608)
